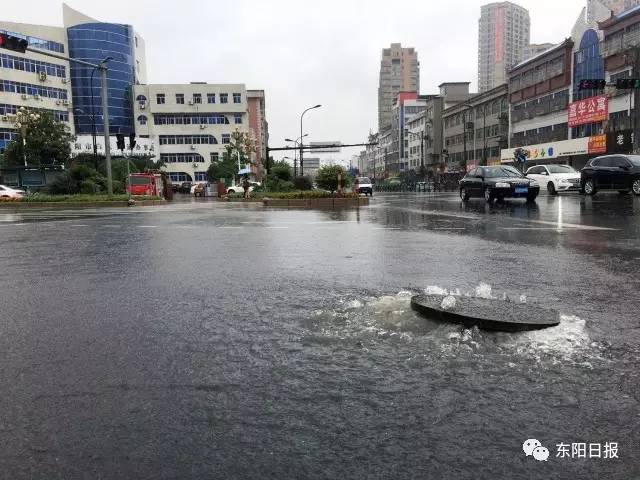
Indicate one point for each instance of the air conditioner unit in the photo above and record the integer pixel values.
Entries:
(36, 97)
(65, 102)
(58, 102)
(202, 127)
(42, 76)
(193, 147)
(24, 96)
(64, 80)
(143, 106)
(5, 118)
(190, 102)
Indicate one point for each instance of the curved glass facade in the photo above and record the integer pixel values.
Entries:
(93, 42)
(587, 64)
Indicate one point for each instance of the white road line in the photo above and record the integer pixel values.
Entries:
(276, 227)
(146, 226)
(78, 225)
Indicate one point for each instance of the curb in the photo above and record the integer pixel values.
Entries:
(72, 205)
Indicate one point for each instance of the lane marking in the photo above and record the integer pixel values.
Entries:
(146, 226)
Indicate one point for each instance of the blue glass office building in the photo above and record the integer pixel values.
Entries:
(93, 42)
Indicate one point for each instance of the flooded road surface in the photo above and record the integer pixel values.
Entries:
(204, 340)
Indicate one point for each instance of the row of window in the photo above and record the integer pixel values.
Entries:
(193, 139)
(181, 157)
(30, 89)
(195, 119)
(58, 115)
(196, 98)
(29, 65)
(38, 42)
(6, 137)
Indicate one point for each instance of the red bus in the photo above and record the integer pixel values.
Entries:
(144, 184)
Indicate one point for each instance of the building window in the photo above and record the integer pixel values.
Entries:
(224, 98)
(160, 98)
(190, 119)
(180, 98)
(181, 158)
(211, 98)
(201, 176)
(226, 138)
(197, 98)
(30, 89)
(214, 156)
(236, 98)
(238, 118)
(142, 120)
(188, 140)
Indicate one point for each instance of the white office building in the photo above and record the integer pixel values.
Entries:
(189, 125)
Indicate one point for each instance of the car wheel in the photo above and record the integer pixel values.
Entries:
(531, 198)
(464, 195)
(551, 188)
(488, 195)
(635, 186)
(589, 187)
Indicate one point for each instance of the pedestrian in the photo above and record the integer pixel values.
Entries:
(356, 186)
(245, 186)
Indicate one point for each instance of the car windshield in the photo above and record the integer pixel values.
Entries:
(635, 159)
(504, 171)
(364, 180)
(561, 169)
(140, 181)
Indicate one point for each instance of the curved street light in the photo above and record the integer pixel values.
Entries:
(295, 152)
(301, 136)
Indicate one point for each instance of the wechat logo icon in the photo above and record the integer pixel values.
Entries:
(533, 447)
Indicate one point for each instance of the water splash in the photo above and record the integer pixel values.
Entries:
(448, 302)
(483, 290)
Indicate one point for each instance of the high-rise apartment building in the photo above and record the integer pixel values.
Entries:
(399, 72)
(503, 34)
(615, 6)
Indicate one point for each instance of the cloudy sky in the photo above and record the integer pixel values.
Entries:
(303, 53)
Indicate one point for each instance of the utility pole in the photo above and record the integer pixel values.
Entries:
(464, 137)
(636, 100)
(105, 116)
(484, 135)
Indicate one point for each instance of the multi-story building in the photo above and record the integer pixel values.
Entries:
(476, 130)
(503, 34)
(408, 105)
(190, 123)
(259, 129)
(70, 91)
(382, 153)
(616, 7)
(535, 49)
(551, 117)
(399, 72)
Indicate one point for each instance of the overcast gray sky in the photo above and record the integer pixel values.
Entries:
(303, 53)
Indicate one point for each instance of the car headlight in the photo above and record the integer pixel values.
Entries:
(503, 185)
(564, 180)
(534, 184)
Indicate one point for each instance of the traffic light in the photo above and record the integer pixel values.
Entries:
(592, 84)
(627, 83)
(13, 43)
(120, 141)
(132, 140)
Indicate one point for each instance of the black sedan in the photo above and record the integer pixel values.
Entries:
(497, 183)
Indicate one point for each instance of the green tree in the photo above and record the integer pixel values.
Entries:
(327, 177)
(240, 147)
(47, 141)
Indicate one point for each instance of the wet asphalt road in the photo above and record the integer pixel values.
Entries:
(209, 340)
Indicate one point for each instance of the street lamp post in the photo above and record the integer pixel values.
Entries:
(22, 118)
(301, 135)
(295, 157)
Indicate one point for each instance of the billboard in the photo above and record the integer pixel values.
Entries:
(561, 148)
(589, 110)
(329, 147)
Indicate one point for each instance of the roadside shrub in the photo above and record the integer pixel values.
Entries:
(303, 183)
(87, 187)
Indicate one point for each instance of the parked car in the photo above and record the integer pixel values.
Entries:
(557, 178)
(8, 192)
(497, 183)
(185, 187)
(364, 185)
(611, 172)
(240, 189)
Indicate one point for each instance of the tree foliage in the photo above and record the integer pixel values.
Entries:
(47, 141)
(240, 147)
(327, 177)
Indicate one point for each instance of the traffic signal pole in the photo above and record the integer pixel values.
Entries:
(105, 116)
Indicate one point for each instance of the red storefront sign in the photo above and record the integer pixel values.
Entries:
(589, 110)
(597, 144)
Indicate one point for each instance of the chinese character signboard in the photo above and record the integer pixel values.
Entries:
(620, 141)
(597, 144)
(589, 110)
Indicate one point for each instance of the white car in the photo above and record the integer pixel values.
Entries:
(8, 192)
(240, 189)
(557, 178)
